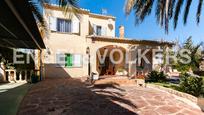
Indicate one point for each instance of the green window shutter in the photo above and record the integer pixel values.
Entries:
(69, 60)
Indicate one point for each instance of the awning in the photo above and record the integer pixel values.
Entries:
(18, 28)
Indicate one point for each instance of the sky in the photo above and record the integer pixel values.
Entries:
(148, 30)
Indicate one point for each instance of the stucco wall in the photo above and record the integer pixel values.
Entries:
(77, 44)
(70, 43)
(104, 23)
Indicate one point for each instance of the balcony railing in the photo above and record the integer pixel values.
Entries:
(13, 75)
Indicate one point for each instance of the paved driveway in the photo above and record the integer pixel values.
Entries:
(65, 96)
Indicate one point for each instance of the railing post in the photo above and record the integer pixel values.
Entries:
(9, 76)
(15, 75)
(20, 76)
(26, 75)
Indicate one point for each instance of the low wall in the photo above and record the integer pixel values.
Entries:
(177, 93)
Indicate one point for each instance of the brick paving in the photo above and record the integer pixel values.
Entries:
(66, 96)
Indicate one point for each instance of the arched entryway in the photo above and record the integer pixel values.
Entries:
(110, 60)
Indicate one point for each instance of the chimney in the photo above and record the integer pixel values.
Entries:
(122, 32)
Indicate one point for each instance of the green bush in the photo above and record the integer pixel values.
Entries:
(156, 76)
(191, 85)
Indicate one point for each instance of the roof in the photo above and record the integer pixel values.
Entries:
(81, 10)
(18, 28)
(130, 41)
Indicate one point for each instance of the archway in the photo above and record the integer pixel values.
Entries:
(110, 60)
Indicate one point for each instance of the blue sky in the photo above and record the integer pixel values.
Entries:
(148, 29)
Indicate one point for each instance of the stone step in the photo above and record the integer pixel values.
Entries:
(117, 81)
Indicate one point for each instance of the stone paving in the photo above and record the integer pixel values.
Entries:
(66, 96)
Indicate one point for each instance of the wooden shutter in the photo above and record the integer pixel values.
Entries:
(77, 60)
(94, 29)
(69, 60)
(103, 31)
(60, 59)
(75, 26)
(53, 23)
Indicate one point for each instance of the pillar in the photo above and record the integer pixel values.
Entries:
(26, 75)
(9, 76)
(2, 71)
(40, 64)
(15, 75)
(20, 76)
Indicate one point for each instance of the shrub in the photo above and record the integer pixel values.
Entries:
(191, 85)
(156, 76)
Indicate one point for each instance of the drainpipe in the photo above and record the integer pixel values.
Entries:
(41, 68)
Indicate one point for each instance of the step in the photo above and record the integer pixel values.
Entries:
(117, 81)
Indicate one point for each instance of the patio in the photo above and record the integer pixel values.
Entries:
(64, 96)
(11, 95)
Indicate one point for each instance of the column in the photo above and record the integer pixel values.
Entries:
(15, 75)
(2, 71)
(26, 75)
(20, 76)
(9, 76)
(41, 68)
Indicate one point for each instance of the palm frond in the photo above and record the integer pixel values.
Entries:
(128, 6)
(199, 11)
(171, 8)
(166, 10)
(41, 2)
(38, 15)
(137, 7)
(160, 11)
(167, 16)
(73, 3)
(188, 4)
(177, 12)
(70, 8)
(146, 9)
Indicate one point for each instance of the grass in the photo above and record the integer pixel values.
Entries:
(176, 87)
(168, 85)
(10, 100)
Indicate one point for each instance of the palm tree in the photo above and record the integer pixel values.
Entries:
(36, 6)
(165, 10)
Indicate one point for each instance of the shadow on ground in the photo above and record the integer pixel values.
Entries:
(65, 96)
(11, 99)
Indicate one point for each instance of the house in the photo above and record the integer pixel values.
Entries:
(76, 45)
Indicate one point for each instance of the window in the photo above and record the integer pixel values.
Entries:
(98, 30)
(64, 25)
(69, 60)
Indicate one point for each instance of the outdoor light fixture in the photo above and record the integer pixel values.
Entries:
(87, 50)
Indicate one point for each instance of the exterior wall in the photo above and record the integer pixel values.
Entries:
(105, 23)
(78, 43)
(96, 46)
(70, 43)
